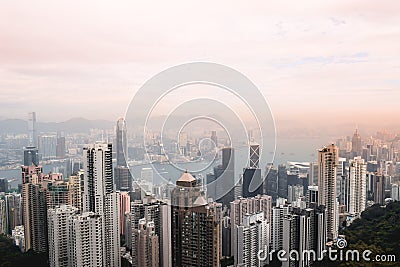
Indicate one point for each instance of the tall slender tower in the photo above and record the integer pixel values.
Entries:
(13, 211)
(358, 180)
(327, 170)
(123, 177)
(32, 129)
(98, 176)
(34, 209)
(254, 155)
(223, 179)
(122, 145)
(252, 174)
(356, 144)
(99, 197)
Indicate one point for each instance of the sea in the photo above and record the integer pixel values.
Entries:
(293, 149)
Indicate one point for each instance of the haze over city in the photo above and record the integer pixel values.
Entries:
(312, 62)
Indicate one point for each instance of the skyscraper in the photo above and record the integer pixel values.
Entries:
(31, 156)
(278, 214)
(313, 174)
(32, 129)
(299, 229)
(356, 147)
(327, 170)
(304, 230)
(214, 139)
(146, 245)
(240, 207)
(75, 190)
(60, 148)
(294, 192)
(57, 194)
(251, 236)
(252, 184)
(379, 188)
(282, 181)
(47, 145)
(254, 155)
(125, 207)
(252, 178)
(357, 192)
(35, 217)
(86, 240)
(312, 195)
(271, 182)
(3, 185)
(34, 209)
(58, 231)
(99, 197)
(112, 229)
(123, 178)
(98, 178)
(122, 174)
(13, 211)
(196, 226)
(3, 217)
(223, 179)
(160, 214)
(122, 145)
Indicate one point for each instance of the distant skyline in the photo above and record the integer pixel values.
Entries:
(333, 61)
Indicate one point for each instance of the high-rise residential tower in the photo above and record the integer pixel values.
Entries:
(100, 198)
(34, 209)
(98, 176)
(86, 240)
(58, 231)
(146, 245)
(196, 226)
(160, 214)
(13, 211)
(327, 170)
(240, 207)
(357, 182)
(75, 190)
(251, 236)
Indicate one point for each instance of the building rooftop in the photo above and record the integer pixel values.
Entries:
(186, 177)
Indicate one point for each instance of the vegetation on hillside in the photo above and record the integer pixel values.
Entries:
(11, 256)
(378, 230)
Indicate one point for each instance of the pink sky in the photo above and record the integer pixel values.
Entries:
(66, 59)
